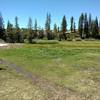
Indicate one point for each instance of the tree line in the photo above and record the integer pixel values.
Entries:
(87, 28)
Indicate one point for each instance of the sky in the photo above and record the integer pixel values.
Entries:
(37, 9)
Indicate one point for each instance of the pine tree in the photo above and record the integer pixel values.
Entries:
(81, 26)
(90, 26)
(30, 24)
(16, 22)
(64, 24)
(64, 27)
(10, 33)
(58, 30)
(47, 27)
(2, 30)
(18, 34)
(30, 30)
(48, 22)
(72, 24)
(99, 30)
(74, 27)
(55, 30)
(86, 30)
(35, 29)
(95, 28)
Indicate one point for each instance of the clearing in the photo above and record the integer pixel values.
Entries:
(64, 71)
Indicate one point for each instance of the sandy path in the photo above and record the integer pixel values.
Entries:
(3, 44)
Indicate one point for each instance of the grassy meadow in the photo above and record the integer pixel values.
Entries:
(72, 65)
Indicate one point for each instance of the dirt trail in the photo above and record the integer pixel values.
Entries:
(54, 91)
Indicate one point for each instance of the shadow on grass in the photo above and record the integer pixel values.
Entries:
(2, 69)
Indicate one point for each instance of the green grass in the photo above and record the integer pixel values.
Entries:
(75, 65)
(13, 87)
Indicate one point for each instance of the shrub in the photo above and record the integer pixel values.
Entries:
(69, 39)
(78, 39)
(90, 39)
(45, 42)
(26, 41)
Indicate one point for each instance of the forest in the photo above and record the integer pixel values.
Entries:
(88, 28)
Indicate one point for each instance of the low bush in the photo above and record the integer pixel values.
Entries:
(26, 41)
(45, 41)
(78, 39)
(69, 39)
(90, 39)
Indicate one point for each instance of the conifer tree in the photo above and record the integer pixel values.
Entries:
(35, 29)
(74, 27)
(86, 30)
(72, 24)
(10, 33)
(90, 25)
(81, 26)
(47, 26)
(30, 30)
(96, 28)
(2, 30)
(55, 30)
(64, 27)
(18, 34)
